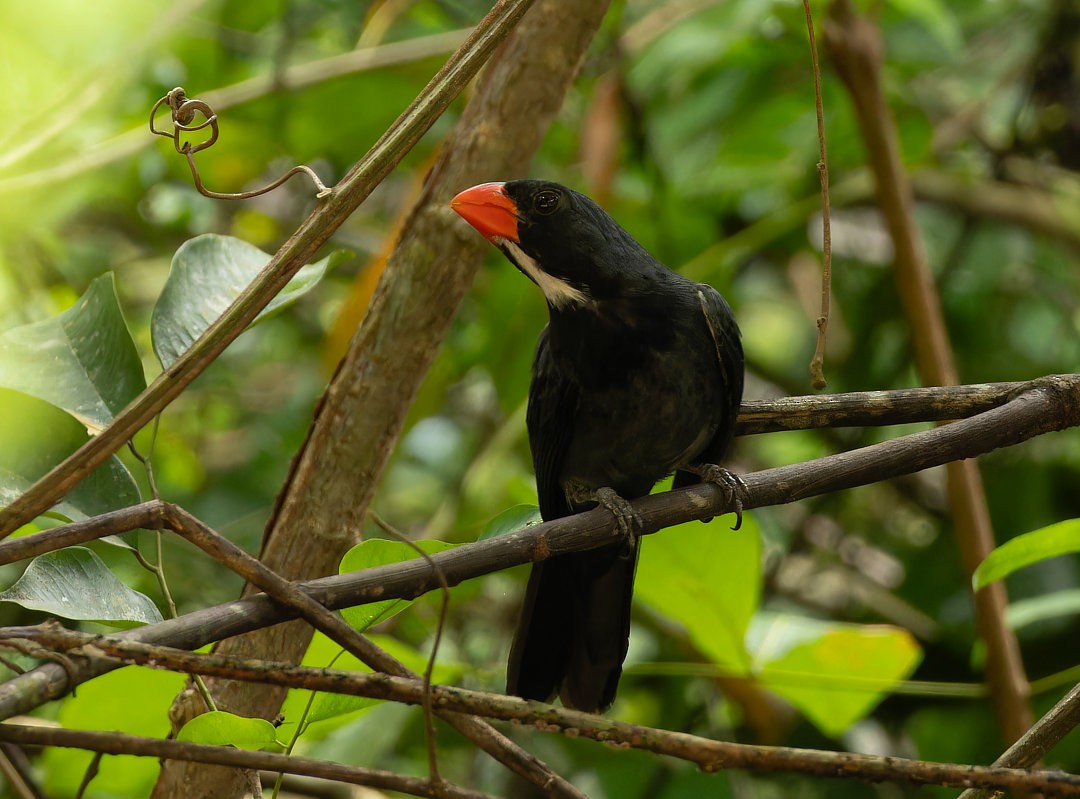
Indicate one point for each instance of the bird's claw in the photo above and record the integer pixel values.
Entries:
(730, 483)
(627, 519)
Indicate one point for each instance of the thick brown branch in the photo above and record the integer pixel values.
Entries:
(1052, 404)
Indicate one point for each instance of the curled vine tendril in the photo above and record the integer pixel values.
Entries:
(184, 114)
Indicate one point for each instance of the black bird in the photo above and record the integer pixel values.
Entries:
(638, 374)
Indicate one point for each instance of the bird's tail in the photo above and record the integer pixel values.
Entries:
(574, 628)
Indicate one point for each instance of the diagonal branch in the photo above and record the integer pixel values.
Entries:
(301, 247)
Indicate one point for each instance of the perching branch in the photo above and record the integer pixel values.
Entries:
(808, 412)
(1047, 405)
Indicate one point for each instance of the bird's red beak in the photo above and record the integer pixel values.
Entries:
(489, 209)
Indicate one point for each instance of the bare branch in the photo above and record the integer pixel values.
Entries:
(115, 743)
(710, 755)
(873, 408)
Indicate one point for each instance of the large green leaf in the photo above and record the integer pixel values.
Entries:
(82, 360)
(1048, 542)
(219, 728)
(380, 552)
(707, 578)
(834, 673)
(76, 584)
(208, 272)
(34, 437)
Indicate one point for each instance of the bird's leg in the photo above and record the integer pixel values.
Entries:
(627, 519)
(730, 483)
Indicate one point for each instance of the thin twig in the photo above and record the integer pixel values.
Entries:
(185, 115)
(15, 767)
(817, 370)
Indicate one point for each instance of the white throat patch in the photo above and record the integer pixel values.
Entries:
(558, 293)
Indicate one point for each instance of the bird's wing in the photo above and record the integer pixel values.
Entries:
(550, 419)
(729, 357)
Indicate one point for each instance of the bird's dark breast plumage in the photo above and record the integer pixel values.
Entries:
(651, 396)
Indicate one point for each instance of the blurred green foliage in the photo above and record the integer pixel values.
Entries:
(714, 171)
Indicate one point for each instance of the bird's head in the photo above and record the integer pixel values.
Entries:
(560, 239)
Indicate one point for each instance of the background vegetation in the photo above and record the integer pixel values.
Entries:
(693, 124)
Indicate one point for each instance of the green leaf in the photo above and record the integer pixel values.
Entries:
(706, 578)
(218, 728)
(76, 584)
(380, 552)
(82, 360)
(834, 673)
(34, 437)
(1061, 538)
(511, 520)
(208, 272)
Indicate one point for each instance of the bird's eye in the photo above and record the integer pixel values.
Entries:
(546, 202)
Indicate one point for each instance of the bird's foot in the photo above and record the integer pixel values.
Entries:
(628, 520)
(730, 483)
